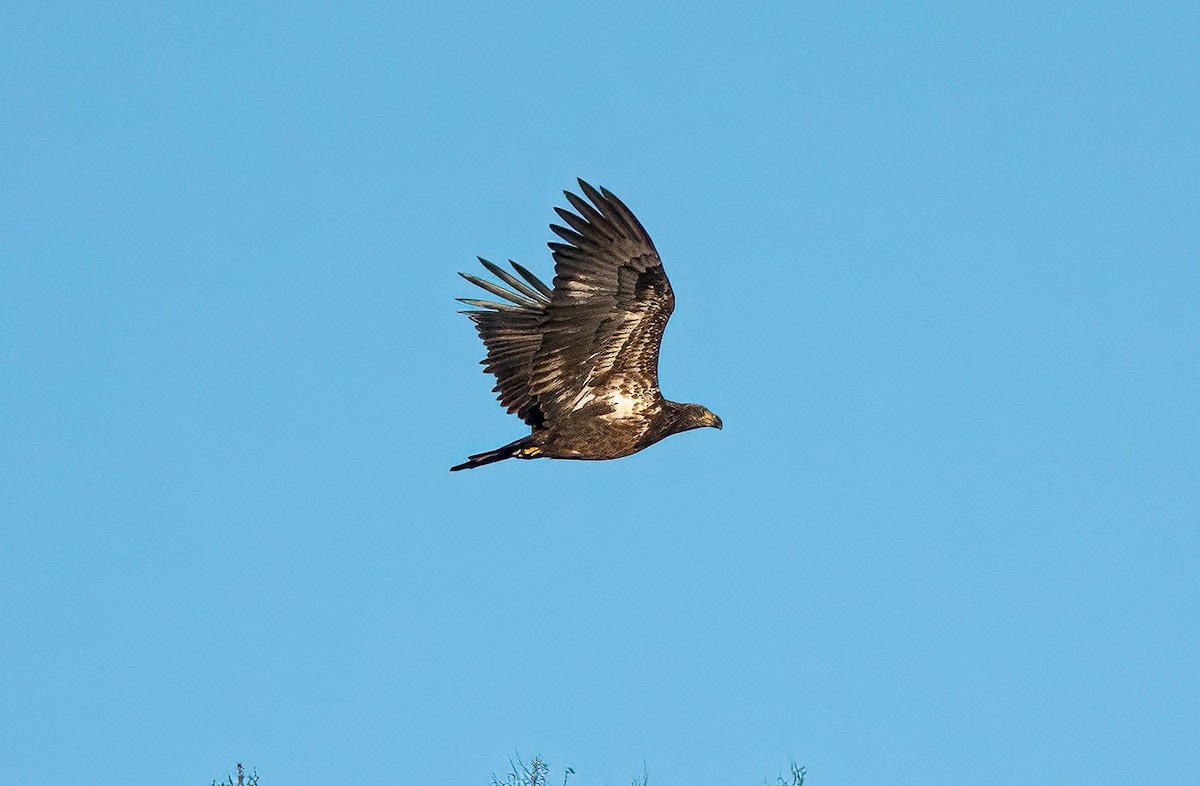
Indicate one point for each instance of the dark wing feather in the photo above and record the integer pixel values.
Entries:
(609, 308)
(512, 335)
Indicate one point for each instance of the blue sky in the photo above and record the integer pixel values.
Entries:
(936, 268)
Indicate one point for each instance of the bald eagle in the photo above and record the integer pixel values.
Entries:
(579, 362)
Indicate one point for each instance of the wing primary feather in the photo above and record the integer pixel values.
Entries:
(577, 223)
(499, 291)
(563, 249)
(589, 192)
(512, 281)
(596, 222)
(570, 236)
(532, 279)
(627, 215)
(488, 304)
(608, 209)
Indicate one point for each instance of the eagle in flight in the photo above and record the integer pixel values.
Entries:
(579, 362)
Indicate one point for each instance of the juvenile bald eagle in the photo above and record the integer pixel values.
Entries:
(579, 363)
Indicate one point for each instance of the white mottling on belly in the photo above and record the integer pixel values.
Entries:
(623, 406)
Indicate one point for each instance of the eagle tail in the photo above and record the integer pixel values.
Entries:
(522, 448)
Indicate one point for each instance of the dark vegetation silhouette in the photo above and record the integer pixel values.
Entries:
(535, 773)
(242, 778)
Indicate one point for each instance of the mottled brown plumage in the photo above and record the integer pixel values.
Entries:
(579, 362)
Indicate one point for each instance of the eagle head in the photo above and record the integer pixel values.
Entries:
(690, 416)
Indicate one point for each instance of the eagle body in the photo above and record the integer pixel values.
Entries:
(607, 428)
(579, 362)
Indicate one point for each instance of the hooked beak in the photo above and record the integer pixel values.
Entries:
(716, 422)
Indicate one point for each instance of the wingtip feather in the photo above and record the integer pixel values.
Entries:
(536, 282)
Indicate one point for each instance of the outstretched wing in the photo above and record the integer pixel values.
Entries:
(611, 301)
(512, 333)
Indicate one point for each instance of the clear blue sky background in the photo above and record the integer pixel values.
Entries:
(937, 267)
